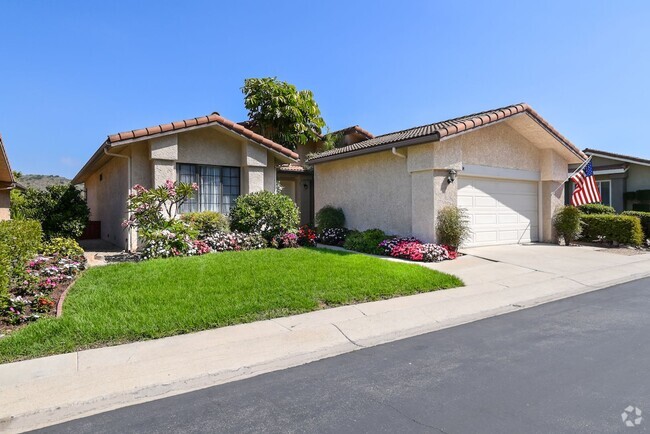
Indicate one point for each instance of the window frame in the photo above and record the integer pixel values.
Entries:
(195, 204)
(598, 184)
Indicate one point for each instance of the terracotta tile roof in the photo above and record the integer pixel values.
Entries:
(438, 130)
(355, 129)
(615, 156)
(213, 119)
(293, 168)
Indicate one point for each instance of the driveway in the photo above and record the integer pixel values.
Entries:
(574, 365)
(521, 264)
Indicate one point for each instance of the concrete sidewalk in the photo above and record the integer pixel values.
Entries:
(50, 390)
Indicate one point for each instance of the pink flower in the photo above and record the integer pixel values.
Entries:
(195, 186)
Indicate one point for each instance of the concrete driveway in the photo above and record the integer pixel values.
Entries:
(521, 264)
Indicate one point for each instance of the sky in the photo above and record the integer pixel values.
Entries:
(73, 72)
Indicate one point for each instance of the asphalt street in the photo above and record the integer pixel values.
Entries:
(573, 365)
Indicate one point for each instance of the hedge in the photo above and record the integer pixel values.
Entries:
(622, 229)
(596, 208)
(645, 221)
(20, 240)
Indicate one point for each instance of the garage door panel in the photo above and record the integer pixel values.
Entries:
(499, 211)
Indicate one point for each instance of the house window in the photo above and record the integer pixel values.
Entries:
(218, 187)
(605, 188)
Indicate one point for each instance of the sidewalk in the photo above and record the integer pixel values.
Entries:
(41, 392)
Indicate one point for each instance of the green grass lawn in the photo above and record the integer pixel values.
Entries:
(135, 301)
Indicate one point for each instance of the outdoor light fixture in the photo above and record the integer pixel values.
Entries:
(451, 176)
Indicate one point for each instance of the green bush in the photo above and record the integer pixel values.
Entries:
(567, 224)
(329, 217)
(207, 222)
(623, 229)
(20, 241)
(60, 209)
(366, 241)
(596, 208)
(643, 207)
(643, 195)
(452, 228)
(629, 195)
(644, 217)
(62, 247)
(269, 213)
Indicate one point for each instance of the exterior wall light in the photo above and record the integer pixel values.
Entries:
(451, 176)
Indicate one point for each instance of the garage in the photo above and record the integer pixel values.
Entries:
(500, 211)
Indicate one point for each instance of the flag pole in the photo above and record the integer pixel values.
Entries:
(574, 172)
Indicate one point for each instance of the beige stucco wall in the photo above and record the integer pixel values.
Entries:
(403, 195)
(638, 177)
(373, 190)
(4, 204)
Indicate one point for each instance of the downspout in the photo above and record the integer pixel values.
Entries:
(129, 234)
(394, 152)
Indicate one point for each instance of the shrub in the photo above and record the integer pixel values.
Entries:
(306, 236)
(206, 222)
(20, 240)
(285, 241)
(623, 229)
(452, 227)
(333, 236)
(434, 253)
(644, 217)
(329, 217)
(566, 223)
(227, 241)
(596, 208)
(643, 195)
(60, 209)
(268, 213)
(643, 207)
(62, 247)
(388, 245)
(366, 241)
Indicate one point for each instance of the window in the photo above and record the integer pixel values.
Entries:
(605, 188)
(218, 187)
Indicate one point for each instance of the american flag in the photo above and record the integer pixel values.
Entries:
(586, 190)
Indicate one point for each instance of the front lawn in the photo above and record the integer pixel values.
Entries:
(136, 301)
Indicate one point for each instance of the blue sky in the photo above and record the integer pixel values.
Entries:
(73, 72)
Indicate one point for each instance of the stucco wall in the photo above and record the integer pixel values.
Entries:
(373, 190)
(638, 178)
(4, 204)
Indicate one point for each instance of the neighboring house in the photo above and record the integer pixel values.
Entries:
(623, 180)
(226, 159)
(505, 166)
(7, 183)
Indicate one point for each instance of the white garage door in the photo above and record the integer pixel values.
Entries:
(500, 211)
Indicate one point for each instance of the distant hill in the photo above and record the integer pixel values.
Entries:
(40, 182)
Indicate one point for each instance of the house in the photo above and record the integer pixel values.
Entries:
(505, 166)
(224, 158)
(7, 183)
(623, 180)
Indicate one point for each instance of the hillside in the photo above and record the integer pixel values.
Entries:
(42, 181)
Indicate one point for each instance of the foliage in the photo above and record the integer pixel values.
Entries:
(623, 229)
(177, 239)
(413, 249)
(206, 222)
(388, 245)
(62, 247)
(230, 288)
(20, 240)
(285, 241)
(229, 241)
(643, 207)
(60, 209)
(270, 214)
(333, 236)
(644, 217)
(567, 224)
(281, 112)
(366, 241)
(307, 236)
(596, 208)
(452, 227)
(330, 217)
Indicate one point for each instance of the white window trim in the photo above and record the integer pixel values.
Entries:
(609, 181)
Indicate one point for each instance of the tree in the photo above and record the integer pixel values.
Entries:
(282, 113)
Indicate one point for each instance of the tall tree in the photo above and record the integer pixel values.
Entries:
(281, 112)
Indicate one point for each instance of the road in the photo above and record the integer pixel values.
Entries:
(569, 366)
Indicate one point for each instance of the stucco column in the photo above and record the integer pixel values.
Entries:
(254, 160)
(551, 200)
(423, 205)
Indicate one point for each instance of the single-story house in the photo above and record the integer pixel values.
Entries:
(224, 158)
(505, 166)
(7, 183)
(623, 180)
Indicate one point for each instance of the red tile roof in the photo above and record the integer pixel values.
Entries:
(293, 168)
(448, 128)
(213, 119)
(355, 129)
